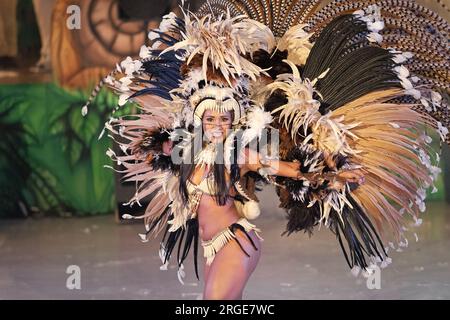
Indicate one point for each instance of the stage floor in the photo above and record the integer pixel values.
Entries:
(114, 264)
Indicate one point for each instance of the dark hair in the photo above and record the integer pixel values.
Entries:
(187, 168)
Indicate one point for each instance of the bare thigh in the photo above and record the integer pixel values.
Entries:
(227, 276)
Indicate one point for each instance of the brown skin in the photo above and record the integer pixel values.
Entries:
(216, 125)
(228, 274)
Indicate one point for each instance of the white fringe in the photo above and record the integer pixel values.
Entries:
(211, 247)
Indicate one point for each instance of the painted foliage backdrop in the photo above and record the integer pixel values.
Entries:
(52, 161)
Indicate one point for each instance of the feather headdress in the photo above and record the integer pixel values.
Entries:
(344, 89)
(224, 42)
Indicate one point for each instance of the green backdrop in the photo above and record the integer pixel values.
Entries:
(52, 160)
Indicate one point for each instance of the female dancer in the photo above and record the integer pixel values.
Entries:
(232, 266)
(352, 124)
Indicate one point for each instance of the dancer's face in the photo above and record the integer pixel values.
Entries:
(216, 125)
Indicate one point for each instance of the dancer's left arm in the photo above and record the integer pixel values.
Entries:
(255, 162)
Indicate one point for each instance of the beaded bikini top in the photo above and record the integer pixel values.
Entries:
(206, 186)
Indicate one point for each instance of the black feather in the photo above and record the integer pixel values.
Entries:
(153, 91)
(356, 67)
(162, 162)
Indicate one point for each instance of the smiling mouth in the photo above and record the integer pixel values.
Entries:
(216, 134)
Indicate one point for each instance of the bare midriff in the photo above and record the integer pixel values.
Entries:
(213, 218)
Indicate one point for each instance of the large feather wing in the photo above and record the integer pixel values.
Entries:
(408, 27)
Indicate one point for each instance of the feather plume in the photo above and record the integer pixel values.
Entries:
(224, 42)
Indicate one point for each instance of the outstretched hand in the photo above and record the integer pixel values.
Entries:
(356, 176)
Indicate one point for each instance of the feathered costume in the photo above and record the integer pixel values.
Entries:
(360, 81)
